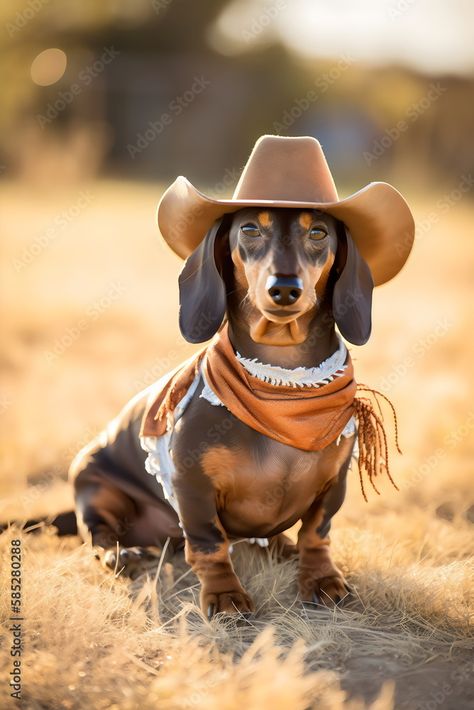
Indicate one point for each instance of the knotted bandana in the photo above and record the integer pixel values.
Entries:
(308, 418)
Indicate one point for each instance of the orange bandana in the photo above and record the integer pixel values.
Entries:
(308, 418)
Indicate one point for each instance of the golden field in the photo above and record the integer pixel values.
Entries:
(89, 318)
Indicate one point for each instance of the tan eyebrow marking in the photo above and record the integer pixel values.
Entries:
(265, 219)
(305, 219)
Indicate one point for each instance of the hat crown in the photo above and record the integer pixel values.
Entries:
(281, 168)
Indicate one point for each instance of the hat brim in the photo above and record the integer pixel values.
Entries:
(377, 217)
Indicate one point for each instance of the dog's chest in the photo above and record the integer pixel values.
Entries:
(259, 482)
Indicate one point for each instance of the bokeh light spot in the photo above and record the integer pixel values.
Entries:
(48, 66)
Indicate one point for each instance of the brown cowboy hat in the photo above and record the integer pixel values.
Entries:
(293, 172)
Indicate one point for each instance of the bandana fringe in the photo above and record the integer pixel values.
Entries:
(372, 438)
(367, 409)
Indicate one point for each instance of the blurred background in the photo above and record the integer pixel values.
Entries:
(103, 104)
(87, 86)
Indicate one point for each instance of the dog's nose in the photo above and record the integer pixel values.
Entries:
(284, 290)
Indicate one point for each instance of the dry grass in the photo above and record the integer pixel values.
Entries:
(92, 641)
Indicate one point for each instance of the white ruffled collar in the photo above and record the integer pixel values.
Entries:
(327, 371)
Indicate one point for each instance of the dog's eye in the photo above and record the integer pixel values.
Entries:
(250, 230)
(317, 233)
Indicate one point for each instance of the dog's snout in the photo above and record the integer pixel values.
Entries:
(284, 290)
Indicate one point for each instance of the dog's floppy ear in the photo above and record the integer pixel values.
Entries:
(352, 295)
(202, 291)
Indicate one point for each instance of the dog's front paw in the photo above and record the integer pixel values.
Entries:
(129, 561)
(234, 601)
(329, 591)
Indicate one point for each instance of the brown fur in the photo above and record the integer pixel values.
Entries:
(230, 480)
(306, 220)
(265, 219)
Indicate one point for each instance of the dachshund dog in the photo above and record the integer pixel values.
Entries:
(282, 278)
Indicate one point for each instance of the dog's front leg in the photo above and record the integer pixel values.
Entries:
(319, 580)
(207, 546)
